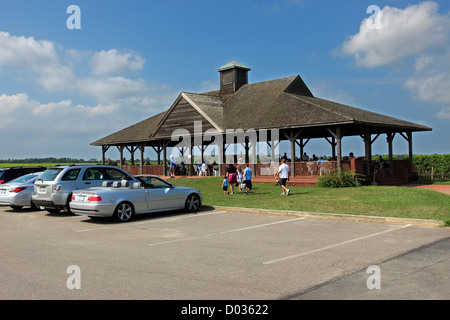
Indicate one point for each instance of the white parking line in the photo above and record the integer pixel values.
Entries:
(147, 222)
(224, 232)
(334, 245)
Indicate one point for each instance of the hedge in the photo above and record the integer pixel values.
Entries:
(424, 162)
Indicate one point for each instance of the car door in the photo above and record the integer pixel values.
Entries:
(92, 177)
(160, 194)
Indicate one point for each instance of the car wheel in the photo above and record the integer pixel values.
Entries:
(192, 203)
(16, 207)
(124, 212)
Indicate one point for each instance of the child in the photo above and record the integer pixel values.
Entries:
(225, 185)
(239, 177)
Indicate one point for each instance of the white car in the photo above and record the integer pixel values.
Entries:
(17, 193)
(122, 199)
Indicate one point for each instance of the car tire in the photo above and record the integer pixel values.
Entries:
(192, 203)
(17, 208)
(124, 212)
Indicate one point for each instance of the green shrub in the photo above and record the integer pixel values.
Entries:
(340, 179)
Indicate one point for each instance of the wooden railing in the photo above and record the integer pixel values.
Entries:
(310, 168)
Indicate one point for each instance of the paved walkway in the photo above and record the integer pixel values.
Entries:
(443, 188)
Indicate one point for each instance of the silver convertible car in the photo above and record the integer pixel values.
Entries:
(17, 193)
(122, 201)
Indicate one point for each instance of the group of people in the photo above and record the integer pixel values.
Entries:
(242, 178)
(202, 169)
(237, 177)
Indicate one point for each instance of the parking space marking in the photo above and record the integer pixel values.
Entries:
(224, 232)
(334, 245)
(147, 222)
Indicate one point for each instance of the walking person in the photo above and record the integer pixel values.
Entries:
(225, 185)
(231, 175)
(247, 179)
(282, 176)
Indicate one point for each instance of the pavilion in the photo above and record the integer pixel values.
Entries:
(271, 111)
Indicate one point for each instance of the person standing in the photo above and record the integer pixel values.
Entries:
(282, 176)
(239, 177)
(247, 179)
(173, 165)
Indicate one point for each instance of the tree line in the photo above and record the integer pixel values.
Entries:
(49, 160)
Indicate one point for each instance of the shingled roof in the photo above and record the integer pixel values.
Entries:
(275, 104)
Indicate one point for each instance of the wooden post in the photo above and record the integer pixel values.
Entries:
(104, 149)
(410, 150)
(221, 154)
(339, 148)
(254, 158)
(142, 149)
(333, 147)
(390, 139)
(336, 143)
(367, 148)
(121, 156)
(292, 137)
(191, 152)
(164, 150)
(301, 148)
(292, 157)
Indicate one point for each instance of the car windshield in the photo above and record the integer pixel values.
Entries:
(50, 174)
(24, 178)
(153, 182)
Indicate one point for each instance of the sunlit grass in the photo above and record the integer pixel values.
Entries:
(387, 201)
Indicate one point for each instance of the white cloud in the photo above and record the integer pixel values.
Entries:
(114, 61)
(111, 88)
(417, 33)
(49, 69)
(39, 57)
(444, 114)
(58, 127)
(431, 81)
(403, 33)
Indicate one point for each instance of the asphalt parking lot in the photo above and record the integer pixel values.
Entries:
(218, 254)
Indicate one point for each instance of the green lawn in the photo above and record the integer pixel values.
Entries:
(403, 202)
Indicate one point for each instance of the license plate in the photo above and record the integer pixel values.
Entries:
(41, 189)
(81, 197)
(2, 191)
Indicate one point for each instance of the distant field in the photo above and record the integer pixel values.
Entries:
(10, 165)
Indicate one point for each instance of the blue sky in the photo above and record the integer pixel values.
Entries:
(61, 88)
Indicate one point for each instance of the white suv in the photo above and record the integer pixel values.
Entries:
(53, 189)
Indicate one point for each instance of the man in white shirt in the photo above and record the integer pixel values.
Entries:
(282, 176)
